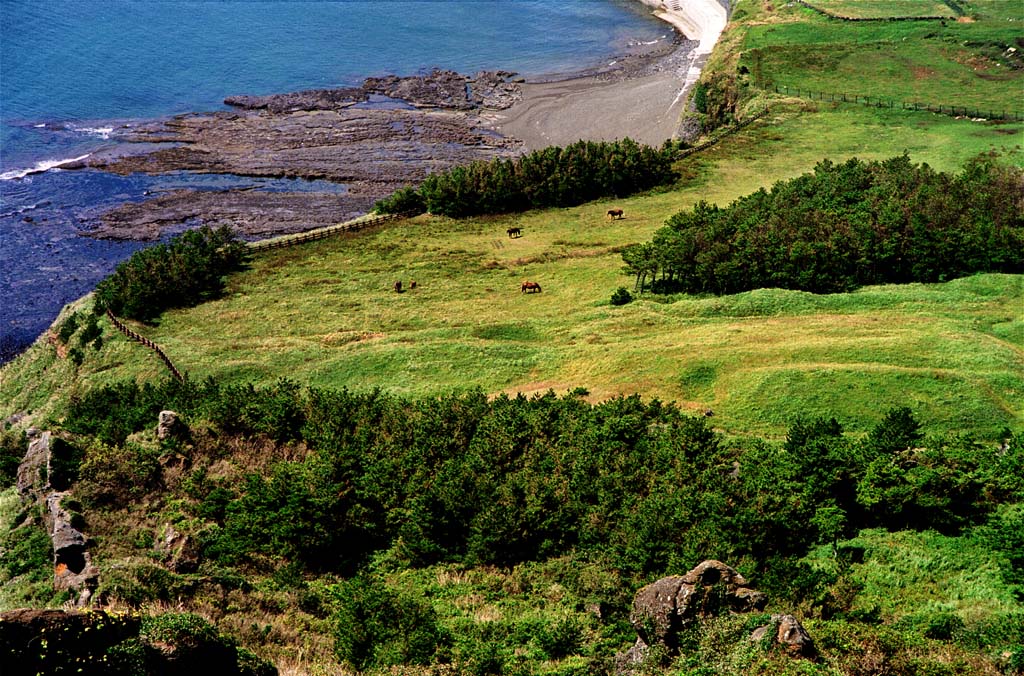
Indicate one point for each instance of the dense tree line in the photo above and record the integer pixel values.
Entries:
(468, 479)
(552, 177)
(183, 272)
(844, 226)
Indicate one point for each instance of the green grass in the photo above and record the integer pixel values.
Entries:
(325, 314)
(974, 63)
(883, 8)
(906, 574)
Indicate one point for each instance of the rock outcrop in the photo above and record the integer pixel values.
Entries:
(180, 551)
(96, 643)
(663, 609)
(448, 89)
(72, 564)
(171, 426)
(46, 466)
(33, 472)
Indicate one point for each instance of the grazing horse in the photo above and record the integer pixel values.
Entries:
(412, 284)
(398, 286)
(514, 232)
(530, 286)
(615, 213)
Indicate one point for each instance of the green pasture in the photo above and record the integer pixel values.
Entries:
(325, 313)
(877, 9)
(975, 62)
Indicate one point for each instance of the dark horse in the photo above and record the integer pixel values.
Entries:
(530, 286)
(615, 213)
(514, 232)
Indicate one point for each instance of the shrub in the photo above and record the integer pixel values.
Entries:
(621, 296)
(68, 328)
(554, 176)
(182, 273)
(27, 551)
(844, 226)
(13, 446)
(379, 627)
(406, 200)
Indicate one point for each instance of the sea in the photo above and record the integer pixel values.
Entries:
(71, 71)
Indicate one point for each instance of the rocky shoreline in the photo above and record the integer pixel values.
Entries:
(388, 133)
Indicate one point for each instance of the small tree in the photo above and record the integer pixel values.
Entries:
(621, 296)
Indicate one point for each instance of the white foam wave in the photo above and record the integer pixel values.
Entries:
(40, 126)
(102, 132)
(39, 167)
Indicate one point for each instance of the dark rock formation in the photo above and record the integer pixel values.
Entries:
(663, 609)
(372, 152)
(98, 643)
(312, 99)
(436, 89)
(252, 214)
(72, 565)
(786, 630)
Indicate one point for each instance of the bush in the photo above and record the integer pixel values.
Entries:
(406, 200)
(621, 296)
(554, 176)
(182, 273)
(27, 551)
(13, 446)
(844, 226)
(379, 627)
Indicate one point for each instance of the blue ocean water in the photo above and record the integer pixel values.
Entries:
(71, 69)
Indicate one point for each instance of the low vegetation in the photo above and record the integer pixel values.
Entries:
(553, 177)
(843, 227)
(184, 272)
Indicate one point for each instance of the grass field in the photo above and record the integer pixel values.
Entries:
(974, 63)
(876, 9)
(324, 313)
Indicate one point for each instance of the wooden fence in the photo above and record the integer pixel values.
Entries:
(728, 132)
(885, 102)
(120, 326)
(323, 233)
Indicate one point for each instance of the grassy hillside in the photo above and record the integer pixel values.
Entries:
(325, 312)
(325, 315)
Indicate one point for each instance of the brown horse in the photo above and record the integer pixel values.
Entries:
(514, 232)
(398, 286)
(530, 287)
(614, 213)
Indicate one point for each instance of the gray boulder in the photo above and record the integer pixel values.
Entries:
(170, 426)
(786, 631)
(33, 471)
(663, 609)
(72, 564)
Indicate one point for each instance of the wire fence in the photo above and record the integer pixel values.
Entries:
(886, 102)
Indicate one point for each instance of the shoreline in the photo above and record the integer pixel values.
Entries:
(643, 99)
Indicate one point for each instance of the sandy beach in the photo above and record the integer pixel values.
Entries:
(642, 100)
